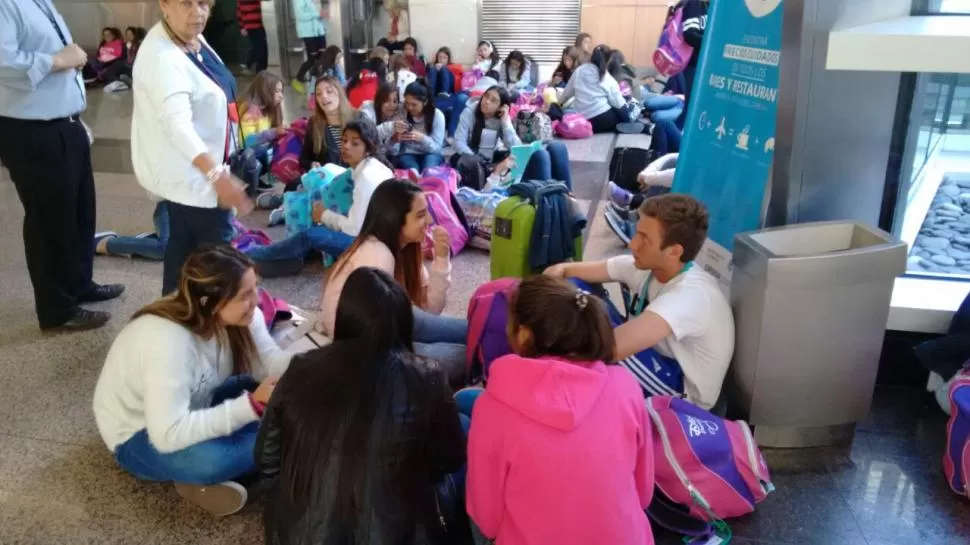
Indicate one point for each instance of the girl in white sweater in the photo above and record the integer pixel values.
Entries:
(184, 384)
(333, 233)
(390, 240)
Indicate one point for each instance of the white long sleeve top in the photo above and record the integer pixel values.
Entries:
(160, 377)
(179, 114)
(367, 175)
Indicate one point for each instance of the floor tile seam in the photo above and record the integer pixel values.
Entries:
(843, 496)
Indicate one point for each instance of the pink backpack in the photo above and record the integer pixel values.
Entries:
(673, 53)
(285, 165)
(408, 174)
(710, 465)
(444, 172)
(487, 339)
(573, 126)
(956, 459)
(470, 78)
(446, 212)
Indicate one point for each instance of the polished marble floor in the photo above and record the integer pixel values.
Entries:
(58, 483)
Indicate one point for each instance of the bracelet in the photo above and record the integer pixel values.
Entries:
(214, 173)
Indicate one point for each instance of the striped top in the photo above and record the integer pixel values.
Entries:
(250, 14)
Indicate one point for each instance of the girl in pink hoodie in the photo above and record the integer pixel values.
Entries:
(560, 446)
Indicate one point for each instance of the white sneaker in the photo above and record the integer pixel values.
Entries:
(221, 499)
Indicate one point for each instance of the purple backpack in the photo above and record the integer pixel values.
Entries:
(709, 465)
(956, 459)
(488, 315)
(673, 53)
(286, 156)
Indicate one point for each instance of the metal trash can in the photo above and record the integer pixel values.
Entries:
(810, 305)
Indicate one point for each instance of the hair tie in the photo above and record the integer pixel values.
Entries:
(582, 299)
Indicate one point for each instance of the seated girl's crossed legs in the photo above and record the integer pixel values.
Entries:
(210, 462)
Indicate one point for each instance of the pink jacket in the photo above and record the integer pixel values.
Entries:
(560, 452)
(110, 51)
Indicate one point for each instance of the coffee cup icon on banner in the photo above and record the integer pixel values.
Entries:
(770, 145)
(760, 8)
(743, 138)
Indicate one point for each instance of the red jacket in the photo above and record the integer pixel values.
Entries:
(365, 89)
(250, 14)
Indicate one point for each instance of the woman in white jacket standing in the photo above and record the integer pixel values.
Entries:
(184, 128)
(597, 94)
(178, 398)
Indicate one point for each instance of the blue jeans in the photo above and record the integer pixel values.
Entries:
(663, 107)
(296, 247)
(418, 162)
(191, 227)
(209, 462)
(442, 338)
(149, 247)
(550, 163)
(466, 398)
(665, 138)
(454, 109)
(441, 80)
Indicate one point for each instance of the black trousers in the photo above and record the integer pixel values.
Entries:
(606, 121)
(50, 165)
(312, 46)
(258, 49)
(190, 228)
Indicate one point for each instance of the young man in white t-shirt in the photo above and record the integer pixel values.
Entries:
(678, 337)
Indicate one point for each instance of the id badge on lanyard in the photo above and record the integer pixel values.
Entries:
(232, 112)
(640, 301)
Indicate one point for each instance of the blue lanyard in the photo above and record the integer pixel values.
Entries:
(46, 10)
(232, 115)
(639, 302)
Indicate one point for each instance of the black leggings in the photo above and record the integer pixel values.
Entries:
(312, 46)
(608, 120)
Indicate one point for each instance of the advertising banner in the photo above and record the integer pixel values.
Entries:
(729, 133)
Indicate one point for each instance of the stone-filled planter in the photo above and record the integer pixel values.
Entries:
(943, 243)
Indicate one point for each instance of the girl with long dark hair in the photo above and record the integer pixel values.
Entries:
(570, 61)
(486, 125)
(330, 63)
(179, 397)
(390, 239)
(386, 108)
(515, 72)
(597, 93)
(332, 233)
(111, 50)
(420, 136)
(440, 78)
(361, 433)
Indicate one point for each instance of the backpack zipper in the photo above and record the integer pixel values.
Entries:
(753, 459)
(669, 453)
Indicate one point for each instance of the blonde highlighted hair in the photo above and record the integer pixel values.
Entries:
(210, 278)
